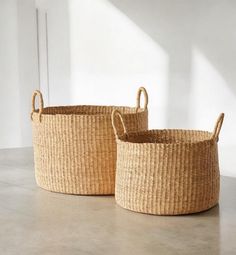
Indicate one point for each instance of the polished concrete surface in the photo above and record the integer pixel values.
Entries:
(34, 221)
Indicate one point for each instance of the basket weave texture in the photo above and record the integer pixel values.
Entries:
(167, 172)
(75, 148)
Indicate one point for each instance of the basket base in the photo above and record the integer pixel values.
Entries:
(77, 190)
(204, 209)
(75, 194)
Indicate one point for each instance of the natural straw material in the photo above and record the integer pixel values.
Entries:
(167, 172)
(75, 148)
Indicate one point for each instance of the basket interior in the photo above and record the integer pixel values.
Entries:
(167, 136)
(88, 110)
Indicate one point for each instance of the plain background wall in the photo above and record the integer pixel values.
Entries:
(9, 94)
(101, 51)
(18, 71)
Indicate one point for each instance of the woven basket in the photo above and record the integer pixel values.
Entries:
(167, 172)
(75, 148)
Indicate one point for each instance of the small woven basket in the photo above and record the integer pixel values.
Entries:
(75, 148)
(167, 172)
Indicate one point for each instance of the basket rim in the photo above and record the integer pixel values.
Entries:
(140, 110)
(121, 138)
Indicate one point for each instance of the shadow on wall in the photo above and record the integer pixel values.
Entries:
(179, 27)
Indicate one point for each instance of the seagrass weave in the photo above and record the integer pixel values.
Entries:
(167, 172)
(75, 148)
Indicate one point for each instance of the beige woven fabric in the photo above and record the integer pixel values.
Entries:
(74, 146)
(167, 172)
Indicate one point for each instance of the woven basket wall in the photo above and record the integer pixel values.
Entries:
(167, 172)
(75, 148)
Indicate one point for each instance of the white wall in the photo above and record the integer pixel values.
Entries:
(111, 57)
(101, 51)
(9, 94)
(18, 71)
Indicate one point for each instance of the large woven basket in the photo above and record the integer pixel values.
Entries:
(167, 172)
(75, 148)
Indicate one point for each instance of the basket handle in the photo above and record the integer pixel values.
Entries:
(113, 116)
(218, 125)
(140, 91)
(39, 94)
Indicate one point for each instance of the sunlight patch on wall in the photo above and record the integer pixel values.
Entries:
(210, 96)
(111, 57)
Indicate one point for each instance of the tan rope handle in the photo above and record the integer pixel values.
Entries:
(140, 91)
(113, 116)
(39, 94)
(218, 125)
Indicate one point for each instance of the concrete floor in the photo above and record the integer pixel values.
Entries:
(34, 221)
